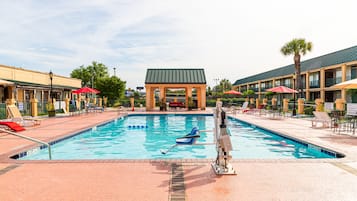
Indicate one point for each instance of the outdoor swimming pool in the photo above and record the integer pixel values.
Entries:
(143, 136)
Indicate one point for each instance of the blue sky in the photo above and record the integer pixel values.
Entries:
(230, 39)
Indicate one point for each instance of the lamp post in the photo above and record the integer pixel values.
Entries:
(114, 71)
(50, 105)
(294, 108)
(51, 78)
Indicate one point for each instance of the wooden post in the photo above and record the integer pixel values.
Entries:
(301, 106)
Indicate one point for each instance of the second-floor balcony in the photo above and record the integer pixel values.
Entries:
(254, 89)
(288, 85)
(314, 84)
(266, 87)
(332, 81)
(303, 84)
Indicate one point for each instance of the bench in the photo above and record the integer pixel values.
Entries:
(176, 104)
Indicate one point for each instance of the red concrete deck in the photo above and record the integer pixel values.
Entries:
(323, 179)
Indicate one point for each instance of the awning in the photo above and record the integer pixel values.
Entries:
(6, 83)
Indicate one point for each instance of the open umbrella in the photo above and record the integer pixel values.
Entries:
(232, 92)
(282, 89)
(350, 84)
(86, 90)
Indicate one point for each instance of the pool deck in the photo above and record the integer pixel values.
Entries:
(144, 180)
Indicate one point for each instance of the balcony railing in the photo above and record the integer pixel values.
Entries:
(315, 84)
(332, 81)
(266, 87)
(254, 89)
(3, 111)
(288, 85)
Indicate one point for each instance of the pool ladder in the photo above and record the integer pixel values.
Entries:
(31, 139)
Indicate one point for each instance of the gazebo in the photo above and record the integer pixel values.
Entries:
(173, 78)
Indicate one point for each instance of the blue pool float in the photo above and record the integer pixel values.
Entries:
(189, 138)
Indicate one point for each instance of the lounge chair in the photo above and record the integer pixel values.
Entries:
(15, 115)
(244, 108)
(9, 125)
(94, 108)
(274, 115)
(323, 118)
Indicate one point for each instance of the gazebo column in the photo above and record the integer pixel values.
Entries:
(152, 97)
(202, 97)
(198, 94)
(188, 94)
(148, 98)
(162, 94)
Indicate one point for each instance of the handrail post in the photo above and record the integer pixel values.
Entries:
(31, 139)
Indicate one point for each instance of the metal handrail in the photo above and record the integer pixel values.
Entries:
(31, 139)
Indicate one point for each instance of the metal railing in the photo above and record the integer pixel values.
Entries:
(31, 139)
(3, 112)
(315, 84)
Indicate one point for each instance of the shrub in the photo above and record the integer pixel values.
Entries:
(308, 110)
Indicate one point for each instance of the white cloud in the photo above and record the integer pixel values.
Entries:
(230, 39)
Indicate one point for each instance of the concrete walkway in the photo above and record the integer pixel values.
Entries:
(297, 179)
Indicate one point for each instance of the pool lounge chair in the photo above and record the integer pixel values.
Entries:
(94, 108)
(323, 118)
(15, 115)
(9, 125)
(244, 108)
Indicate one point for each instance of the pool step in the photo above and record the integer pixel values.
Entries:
(177, 183)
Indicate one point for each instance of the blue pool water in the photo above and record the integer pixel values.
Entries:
(143, 136)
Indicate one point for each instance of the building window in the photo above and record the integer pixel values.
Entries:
(277, 83)
(287, 82)
(314, 80)
(262, 85)
(338, 77)
(353, 72)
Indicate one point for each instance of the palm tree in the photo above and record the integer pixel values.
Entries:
(225, 84)
(297, 47)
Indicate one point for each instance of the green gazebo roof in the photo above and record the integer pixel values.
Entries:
(175, 76)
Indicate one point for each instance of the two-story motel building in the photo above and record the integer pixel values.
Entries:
(317, 76)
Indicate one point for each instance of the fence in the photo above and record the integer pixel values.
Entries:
(3, 112)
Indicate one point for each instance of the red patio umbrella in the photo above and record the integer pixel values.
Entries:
(232, 92)
(282, 89)
(86, 90)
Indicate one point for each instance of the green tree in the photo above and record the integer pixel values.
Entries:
(90, 74)
(297, 47)
(97, 70)
(83, 74)
(209, 91)
(248, 93)
(224, 85)
(111, 87)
